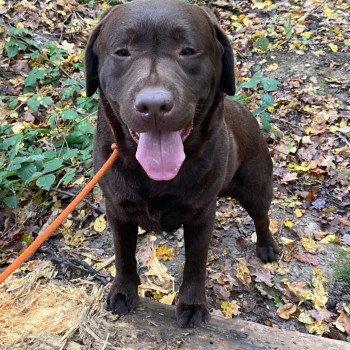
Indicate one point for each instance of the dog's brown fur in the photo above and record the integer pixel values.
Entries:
(225, 152)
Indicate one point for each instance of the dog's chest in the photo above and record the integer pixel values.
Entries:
(157, 213)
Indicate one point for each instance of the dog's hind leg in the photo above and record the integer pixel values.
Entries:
(252, 187)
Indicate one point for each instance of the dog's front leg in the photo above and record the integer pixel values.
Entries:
(191, 309)
(123, 295)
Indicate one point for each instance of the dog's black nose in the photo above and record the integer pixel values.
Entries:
(154, 101)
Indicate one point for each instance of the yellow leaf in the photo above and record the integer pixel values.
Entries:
(274, 226)
(156, 268)
(272, 67)
(299, 212)
(319, 327)
(112, 270)
(67, 223)
(141, 231)
(305, 317)
(277, 267)
(294, 166)
(78, 181)
(309, 244)
(164, 253)
(104, 6)
(168, 299)
(309, 131)
(330, 239)
(17, 127)
(230, 308)
(333, 128)
(20, 25)
(246, 22)
(320, 294)
(242, 272)
(287, 241)
(286, 310)
(288, 223)
(100, 224)
(328, 12)
(319, 53)
(333, 47)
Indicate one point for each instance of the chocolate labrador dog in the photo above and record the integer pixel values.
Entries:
(163, 69)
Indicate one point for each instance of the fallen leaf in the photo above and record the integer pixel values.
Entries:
(168, 299)
(164, 253)
(262, 274)
(344, 320)
(274, 226)
(319, 203)
(100, 224)
(156, 268)
(309, 244)
(242, 272)
(144, 253)
(230, 308)
(287, 241)
(288, 223)
(286, 310)
(289, 176)
(280, 267)
(305, 317)
(306, 258)
(77, 182)
(333, 47)
(299, 212)
(318, 328)
(322, 315)
(320, 295)
(330, 239)
(221, 292)
(319, 235)
(263, 292)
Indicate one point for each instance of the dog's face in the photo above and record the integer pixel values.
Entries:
(159, 64)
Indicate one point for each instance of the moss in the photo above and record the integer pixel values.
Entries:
(342, 268)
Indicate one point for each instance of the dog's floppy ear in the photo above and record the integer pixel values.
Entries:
(91, 64)
(227, 80)
(91, 59)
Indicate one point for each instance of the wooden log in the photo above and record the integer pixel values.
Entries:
(153, 326)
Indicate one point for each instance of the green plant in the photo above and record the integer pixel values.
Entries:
(342, 268)
(288, 29)
(261, 86)
(37, 157)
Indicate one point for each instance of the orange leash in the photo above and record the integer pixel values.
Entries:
(52, 227)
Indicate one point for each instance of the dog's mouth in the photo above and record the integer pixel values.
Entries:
(161, 153)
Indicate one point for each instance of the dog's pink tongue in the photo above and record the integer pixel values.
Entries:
(160, 154)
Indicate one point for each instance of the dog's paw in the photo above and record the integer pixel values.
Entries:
(268, 253)
(122, 299)
(191, 315)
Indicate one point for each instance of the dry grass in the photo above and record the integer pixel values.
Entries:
(41, 315)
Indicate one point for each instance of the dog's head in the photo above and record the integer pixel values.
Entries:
(159, 65)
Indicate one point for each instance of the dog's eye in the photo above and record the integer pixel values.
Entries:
(187, 51)
(122, 53)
